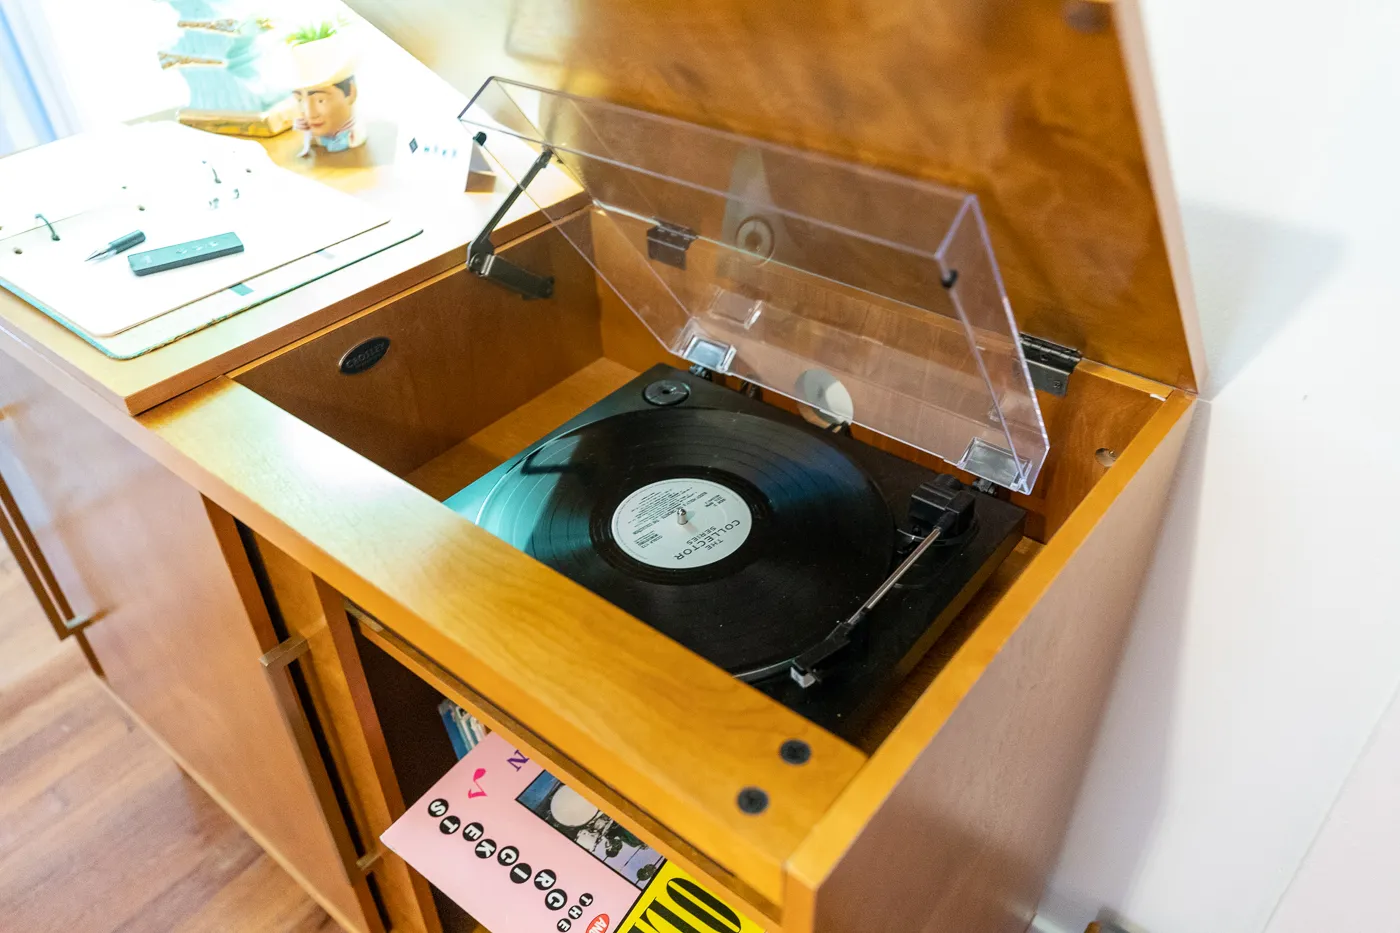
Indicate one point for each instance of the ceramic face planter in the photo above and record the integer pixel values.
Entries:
(326, 90)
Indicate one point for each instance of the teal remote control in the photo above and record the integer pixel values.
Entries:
(185, 254)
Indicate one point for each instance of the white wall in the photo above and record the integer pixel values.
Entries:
(1267, 644)
(1350, 879)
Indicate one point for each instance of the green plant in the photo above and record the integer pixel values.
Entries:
(312, 32)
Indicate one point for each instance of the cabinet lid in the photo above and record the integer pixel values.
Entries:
(868, 297)
(1042, 108)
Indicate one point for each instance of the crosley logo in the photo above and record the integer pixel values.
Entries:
(364, 355)
(598, 924)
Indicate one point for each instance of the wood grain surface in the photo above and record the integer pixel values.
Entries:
(519, 635)
(175, 639)
(100, 832)
(462, 353)
(976, 783)
(285, 680)
(33, 566)
(1092, 424)
(1026, 103)
(24, 644)
(517, 632)
(447, 474)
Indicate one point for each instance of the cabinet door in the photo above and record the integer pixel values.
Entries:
(178, 626)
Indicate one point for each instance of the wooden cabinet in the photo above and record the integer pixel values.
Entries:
(231, 644)
(230, 641)
(178, 622)
(967, 772)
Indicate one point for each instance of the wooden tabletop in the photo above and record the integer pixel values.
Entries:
(400, 100)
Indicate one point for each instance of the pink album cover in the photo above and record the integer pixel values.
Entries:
(519, 851)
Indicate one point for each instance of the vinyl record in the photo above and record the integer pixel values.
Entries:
(782, 534)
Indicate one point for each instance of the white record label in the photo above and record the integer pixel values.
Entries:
(647, 523)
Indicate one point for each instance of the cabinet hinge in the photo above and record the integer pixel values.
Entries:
(1049, 363)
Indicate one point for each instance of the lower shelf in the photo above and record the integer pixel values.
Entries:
(407, 687)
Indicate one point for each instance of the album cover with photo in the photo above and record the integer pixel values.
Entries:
(522, 852)
(568, 813)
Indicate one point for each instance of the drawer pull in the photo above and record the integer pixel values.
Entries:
(81, 622)
(36, 570)
(364, 618)
(284, 653)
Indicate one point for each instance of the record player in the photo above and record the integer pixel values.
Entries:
(809, 564)
(814, 566)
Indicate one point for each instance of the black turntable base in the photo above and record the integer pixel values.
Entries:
(748, 536)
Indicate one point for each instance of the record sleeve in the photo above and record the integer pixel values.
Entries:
(522, 852)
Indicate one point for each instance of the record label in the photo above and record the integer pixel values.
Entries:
(649, 524)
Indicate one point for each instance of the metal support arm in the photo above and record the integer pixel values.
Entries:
(481, 252)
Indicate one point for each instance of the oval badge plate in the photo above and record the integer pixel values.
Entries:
(363, 356)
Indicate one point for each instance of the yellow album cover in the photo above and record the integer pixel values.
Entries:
(674, 902)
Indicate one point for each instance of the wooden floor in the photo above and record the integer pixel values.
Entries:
(99, 830)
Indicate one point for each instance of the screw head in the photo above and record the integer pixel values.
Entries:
(753, 800)
(795, 752)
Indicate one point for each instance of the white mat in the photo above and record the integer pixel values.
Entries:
(166, 329)
(160, 178)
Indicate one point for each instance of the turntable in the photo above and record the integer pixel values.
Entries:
(813, 566)
(797, 558)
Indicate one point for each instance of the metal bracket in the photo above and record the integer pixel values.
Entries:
(668, 242)
(710, 354)
(481, 252)
(993, 463)
(1049, 363)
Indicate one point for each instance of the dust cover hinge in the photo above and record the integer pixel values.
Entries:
(1049, 363)
(667, 242)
